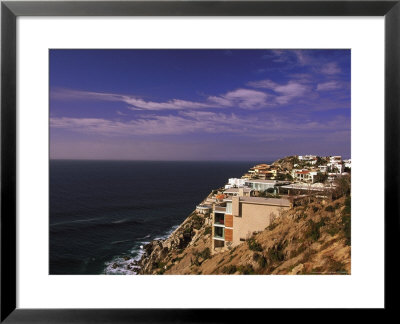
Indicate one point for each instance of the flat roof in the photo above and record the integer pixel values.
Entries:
(264, 201)
(267, 181)
(234, 190)
(314, 186)
(204, 206)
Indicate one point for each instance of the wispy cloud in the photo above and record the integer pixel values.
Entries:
(189, 122)
(239, 98)
(330, 68)
(285, 92)
(326, 86)
(302, 59)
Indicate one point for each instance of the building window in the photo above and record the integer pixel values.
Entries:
(229, 207)
(219, 218)
(219, 232)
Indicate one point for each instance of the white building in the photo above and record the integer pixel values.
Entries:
(261, 185)
(242, 191)
(235, 182)
(323, 168)
(335, 159)
(335, 167)
(203, 209)
(304, 175)
(347, 163)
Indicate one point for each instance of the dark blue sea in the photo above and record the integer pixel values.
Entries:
(101, 212)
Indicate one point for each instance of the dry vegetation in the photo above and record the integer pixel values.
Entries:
(310, 239)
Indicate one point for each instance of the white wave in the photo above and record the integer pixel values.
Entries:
(77, 221)
(141, 238)
(168, 233)
(120, 266)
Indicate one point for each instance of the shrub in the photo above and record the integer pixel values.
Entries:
(208, 230)
(262, 262)
(346, 220)
(314, 229)
(276, 253)
(256, 256)
(300, 250)
(231, 269)
(254, 245)
(231, 257)
(272, 226)
(336, 266)
(247, 269)
(260, 259)
(205, 254)
(333, 230)
(329, 208)
(198, 222)
(177, 259)
(347, 228)
(347, 204)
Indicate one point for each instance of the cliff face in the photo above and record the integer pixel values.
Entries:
(310, 239)
(177, 253)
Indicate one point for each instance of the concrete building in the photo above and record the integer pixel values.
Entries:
(335, 167)
(335, 159)
(242, 191)
(306, 189)
(304, 175)
(323, 168)
(312, 159)
(239, 217)
(203, 209)
(235, 182)
(262, 185)
(347, 163)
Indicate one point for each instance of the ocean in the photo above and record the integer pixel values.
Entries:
(102, 212)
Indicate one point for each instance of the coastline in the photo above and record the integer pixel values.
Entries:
(150, 251)
(188, 248)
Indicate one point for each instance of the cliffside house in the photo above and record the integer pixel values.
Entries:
(268, 174)
(310, 159)
(304, 175)
(238, 217)
(242, 191)
(335, 167)
(316, 189)
(262, 185)
(235, 182)
(347, 163)
(323, 168)
(203, 209)
(335, 159)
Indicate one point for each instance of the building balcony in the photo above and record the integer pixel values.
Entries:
(219, 209)
(219, 219)
(219, 233)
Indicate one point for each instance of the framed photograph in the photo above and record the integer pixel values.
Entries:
(179, 156)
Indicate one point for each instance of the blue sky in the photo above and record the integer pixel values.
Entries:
(244, 105)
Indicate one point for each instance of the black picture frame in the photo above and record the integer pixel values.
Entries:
(10, 10)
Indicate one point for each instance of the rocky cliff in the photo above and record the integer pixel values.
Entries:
(313, 238)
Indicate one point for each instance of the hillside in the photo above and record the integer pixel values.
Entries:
(310, 239)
